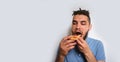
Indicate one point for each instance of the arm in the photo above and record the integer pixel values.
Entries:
(64, 47)
(90, 57)
(60, 58)
(84, 48)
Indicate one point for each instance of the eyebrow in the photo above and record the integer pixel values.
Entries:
(74, 21)
(82, 21)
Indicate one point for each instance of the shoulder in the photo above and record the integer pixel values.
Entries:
(88, 39)
(94, 41)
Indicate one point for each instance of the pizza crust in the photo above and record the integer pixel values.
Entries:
(75, 37)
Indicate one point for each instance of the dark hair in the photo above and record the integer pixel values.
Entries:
(82, 12)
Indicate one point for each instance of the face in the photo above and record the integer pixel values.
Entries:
(80, 25)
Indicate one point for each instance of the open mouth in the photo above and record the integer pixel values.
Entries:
(78, 33)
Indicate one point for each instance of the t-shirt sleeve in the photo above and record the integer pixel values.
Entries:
(100, 51)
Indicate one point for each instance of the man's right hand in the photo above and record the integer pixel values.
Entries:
(66, 45)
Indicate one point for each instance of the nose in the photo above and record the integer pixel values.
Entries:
(78, 26)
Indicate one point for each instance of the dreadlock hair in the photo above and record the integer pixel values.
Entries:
(82, 12)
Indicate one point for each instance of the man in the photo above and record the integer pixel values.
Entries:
(78, 47)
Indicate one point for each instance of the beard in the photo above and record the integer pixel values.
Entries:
(85, 35)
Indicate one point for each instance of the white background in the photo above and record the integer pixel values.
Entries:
(30, 30)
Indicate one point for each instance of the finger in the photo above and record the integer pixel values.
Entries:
(71, 44)
(69, 41)
(79, 42)
(80, 47)
(71, 47)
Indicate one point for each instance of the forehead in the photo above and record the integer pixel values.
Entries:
(80, 18)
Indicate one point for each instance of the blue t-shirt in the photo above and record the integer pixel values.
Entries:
(96, 47)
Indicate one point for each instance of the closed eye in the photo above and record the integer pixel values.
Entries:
(83, 22)
(74, 22)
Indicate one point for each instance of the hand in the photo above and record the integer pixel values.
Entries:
(66, 45)
(82, 45)
(84, 48)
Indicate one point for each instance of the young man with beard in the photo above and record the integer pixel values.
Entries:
(78, 47)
